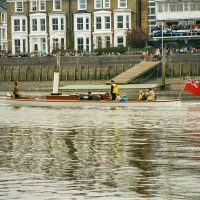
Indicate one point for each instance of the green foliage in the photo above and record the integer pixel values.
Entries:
(137, 38)
(107, 50)
(149, 49)
(172, 45)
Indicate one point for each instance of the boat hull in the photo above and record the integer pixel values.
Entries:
(34, 102)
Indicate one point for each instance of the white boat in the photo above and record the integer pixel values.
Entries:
(72, 101)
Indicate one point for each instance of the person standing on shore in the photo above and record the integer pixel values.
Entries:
(114, 90)
(16, 92)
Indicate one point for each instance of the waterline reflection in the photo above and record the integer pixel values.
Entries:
(99, 153)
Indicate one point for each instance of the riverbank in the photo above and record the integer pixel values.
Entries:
(175, 84)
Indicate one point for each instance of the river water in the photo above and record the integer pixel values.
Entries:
(100, 153)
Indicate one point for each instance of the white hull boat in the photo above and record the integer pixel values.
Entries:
(72, 101)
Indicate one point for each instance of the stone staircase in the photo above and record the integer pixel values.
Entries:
(136, 71)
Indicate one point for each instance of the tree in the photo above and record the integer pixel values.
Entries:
(137, 38)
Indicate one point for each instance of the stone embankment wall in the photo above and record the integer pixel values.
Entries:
(71, 68)
(183, 65)
(90, 67)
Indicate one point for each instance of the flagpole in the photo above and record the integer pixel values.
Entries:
(179, 96)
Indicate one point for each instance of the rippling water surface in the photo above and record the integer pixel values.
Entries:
(100, 153)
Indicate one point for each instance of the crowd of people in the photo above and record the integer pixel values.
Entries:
(176, 27)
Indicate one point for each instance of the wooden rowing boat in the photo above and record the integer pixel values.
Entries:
(73, 101)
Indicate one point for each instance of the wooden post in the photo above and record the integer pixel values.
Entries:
(80, 73)
(40, 74)
(116, 70)
(67, 73)
(11, 74)
(4, 74)
(26, 73)
(33, 75)
(95, 72)
(87, 73)
(172, 69)
(75, 73)
(47, 74)
(180, 69)
(18, 74)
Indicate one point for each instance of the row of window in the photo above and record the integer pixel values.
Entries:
(83, 44)
(178, 7)
(40, 5)
(82, 23)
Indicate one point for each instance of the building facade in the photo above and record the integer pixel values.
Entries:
(83, 25)
(3, 27)
(174, 21)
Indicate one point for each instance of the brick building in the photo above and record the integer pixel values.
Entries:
(45, 25)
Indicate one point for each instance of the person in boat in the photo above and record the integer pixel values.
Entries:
(123, 97)
(90, 96)
(118, 97)
(141, 96)
(114, 90)
(150, 95)
(16, 92)
(93, 96)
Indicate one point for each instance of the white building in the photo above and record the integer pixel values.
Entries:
(179, 20)
(3, 27)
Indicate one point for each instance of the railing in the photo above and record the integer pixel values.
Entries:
(169, 33)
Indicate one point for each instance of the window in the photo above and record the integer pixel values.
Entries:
(3, 33)
(42, 5)
(42, 24)
(62, 24)
(87, 23)
(160, 8)
(185, 6)
(99, 42)
(120, 41)
(3, 18)
(98, 4)
(119, 21)
(62, 43)
(24, 45)
(55, 43)
(57, 4)
(193, 7)
(17, 46)
(87, 44)
(98, 22)
(80, 23)
(19, 6)
(122, 3)
(23, 25)
(107, 22)
(55, 24)
(107, 38)
(16, 25)
(34, 24)
(34, 6)
(80, 43)
(127, 21)
(82, 4)
(106, 4)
